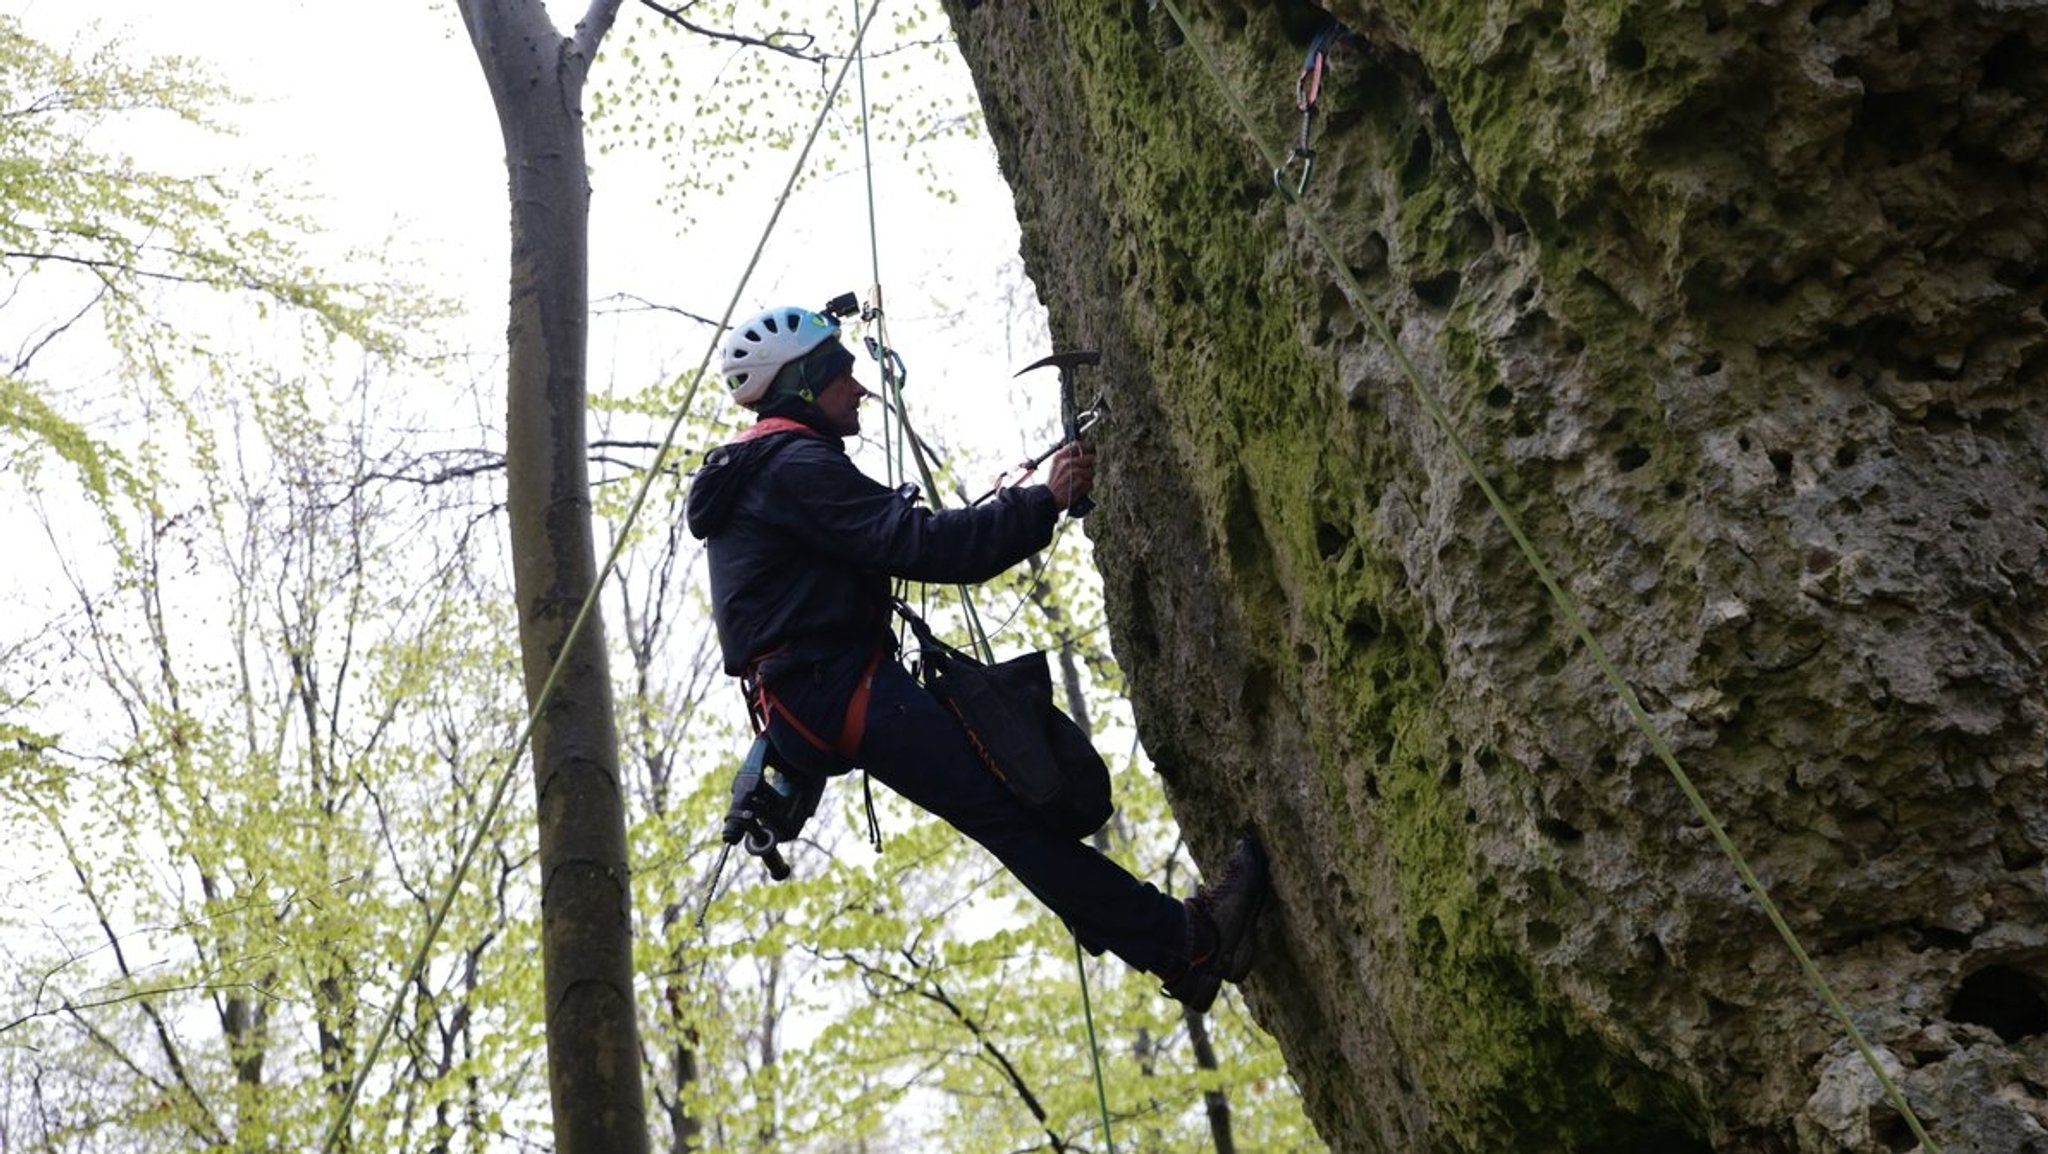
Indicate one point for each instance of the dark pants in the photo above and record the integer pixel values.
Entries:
(913, 745)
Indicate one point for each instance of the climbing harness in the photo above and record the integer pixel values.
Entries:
(1570, 610)
(1308, 89)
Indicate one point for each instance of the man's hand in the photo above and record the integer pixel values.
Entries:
(1071, 475)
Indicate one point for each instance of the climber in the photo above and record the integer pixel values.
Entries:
(802, 547)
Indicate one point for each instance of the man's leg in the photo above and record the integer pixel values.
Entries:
(917, 748)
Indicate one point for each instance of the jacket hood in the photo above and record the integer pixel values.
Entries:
(727, 469)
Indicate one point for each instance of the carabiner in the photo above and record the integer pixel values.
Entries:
(1308, 87)
(891, 361)
(1306, 157)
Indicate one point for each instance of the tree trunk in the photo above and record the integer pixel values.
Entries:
(536, 79)
(1739, 309)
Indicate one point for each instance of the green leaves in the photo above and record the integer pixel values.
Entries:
(713, 89)
(34, 424)
(105, 247)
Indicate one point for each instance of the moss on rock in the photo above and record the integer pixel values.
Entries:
(1733, 306)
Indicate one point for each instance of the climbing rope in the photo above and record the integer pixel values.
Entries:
(1567, 605)
(584, 613)
(905, 445)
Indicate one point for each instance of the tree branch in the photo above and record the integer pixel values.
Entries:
(21, 362)
(1214, 1102)
(927, 987)
(104, 264)
(597, 20)
(799, 52)
(210, 1129)
(647, 305)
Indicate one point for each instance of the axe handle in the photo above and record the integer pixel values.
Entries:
(1070, 414)
(1085, 505)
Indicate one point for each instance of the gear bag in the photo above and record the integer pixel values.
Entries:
(1043, 757)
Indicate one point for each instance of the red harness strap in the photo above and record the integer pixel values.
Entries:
(852, 727)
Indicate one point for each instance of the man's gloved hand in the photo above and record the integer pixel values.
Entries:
(1071, 475)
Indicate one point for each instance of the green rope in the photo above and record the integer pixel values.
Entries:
(1566, 604)
(583, 615)
(904, 446)
(892, 388)
(1094, 1047)
(979, 637)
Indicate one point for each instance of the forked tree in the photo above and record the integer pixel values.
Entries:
(536, 77)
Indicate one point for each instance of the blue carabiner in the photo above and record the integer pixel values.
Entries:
(891, 361)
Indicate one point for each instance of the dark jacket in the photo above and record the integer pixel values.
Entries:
(802, 544)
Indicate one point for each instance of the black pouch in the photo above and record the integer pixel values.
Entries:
(1040, 753)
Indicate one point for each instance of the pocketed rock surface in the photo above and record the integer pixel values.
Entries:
(1737, 309)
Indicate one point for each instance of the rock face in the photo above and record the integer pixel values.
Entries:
(1738, 309)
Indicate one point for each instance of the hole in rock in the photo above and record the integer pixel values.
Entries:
(1330, 540)
(2010, 1002)
(1439, 291)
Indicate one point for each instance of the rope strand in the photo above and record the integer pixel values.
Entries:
(583, 615)
(905, 446)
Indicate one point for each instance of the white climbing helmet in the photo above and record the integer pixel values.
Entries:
(759, 346)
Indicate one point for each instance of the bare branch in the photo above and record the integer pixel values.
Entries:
(643, 305)
(173, 1055)
(73, 1008)
(798, 47)
(926, 985)
(102, 264)
(21, 362)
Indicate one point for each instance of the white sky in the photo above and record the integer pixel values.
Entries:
(379, 108)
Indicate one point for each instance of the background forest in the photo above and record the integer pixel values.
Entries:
(262, 677)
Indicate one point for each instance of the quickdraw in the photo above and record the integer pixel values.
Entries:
(1308, 89)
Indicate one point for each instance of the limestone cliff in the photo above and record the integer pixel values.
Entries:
(1739, 307)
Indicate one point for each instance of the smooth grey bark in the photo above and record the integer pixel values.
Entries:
(536, 78)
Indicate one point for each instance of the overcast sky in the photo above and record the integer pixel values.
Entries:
(380, 109)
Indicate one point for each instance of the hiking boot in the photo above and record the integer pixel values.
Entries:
(1221, 915)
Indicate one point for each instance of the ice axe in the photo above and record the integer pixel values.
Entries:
(1070, 412)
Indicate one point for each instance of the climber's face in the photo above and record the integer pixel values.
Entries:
(840, 402)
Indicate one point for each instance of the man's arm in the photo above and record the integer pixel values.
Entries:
(840, 511)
